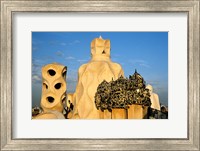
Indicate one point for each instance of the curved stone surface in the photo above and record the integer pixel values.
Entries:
(155, 103)
(50, 115)
(90, 75)
(53, 90)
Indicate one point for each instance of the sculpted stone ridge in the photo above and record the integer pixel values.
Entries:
(90, 75)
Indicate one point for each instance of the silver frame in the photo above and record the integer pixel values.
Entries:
(9, 7)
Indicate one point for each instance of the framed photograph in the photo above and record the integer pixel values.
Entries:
(153, 42)
(123, 71)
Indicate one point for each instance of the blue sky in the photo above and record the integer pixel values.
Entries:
(145, 51)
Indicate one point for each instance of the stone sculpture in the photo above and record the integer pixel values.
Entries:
(53, 91)
(90, 75)
(155, 103)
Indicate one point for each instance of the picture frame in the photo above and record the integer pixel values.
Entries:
(9, 7)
